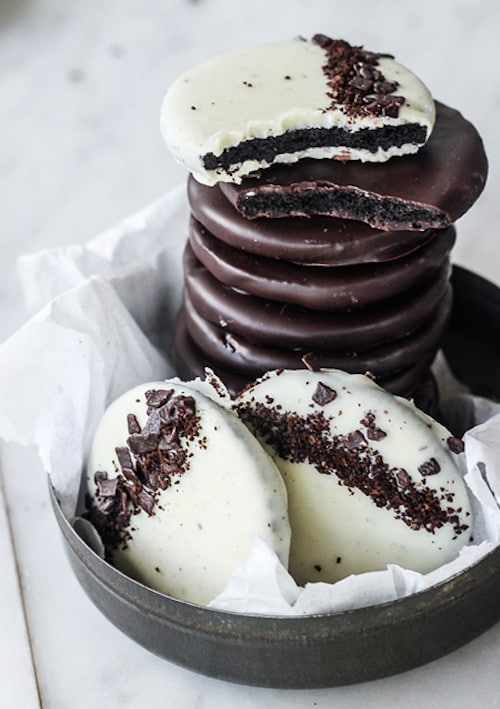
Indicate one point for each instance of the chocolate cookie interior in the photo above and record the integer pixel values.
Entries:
(431, 189)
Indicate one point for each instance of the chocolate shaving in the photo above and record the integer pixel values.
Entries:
(124, 457)
(309, 361)
(355, 82)
(105, 487)
(148, 463)
(140, 443)
(402, 477)
(157, 397)
(323, 394)
(373, 432)
(456, 445)
(133, 424)
(430, 467)
(146, 500)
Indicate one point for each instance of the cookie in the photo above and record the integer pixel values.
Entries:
(268, 322)
(177, 486)
(234, 352)
(324, 189)
(416, 383)
(282, 102)
(371, 480)
(431, 189)
(313, 240)
(319, 288)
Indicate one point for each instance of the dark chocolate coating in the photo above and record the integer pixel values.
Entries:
(432, 188)
(266, 322)
(233, 352)
(316, 240)
(318, 287)
(190, 362)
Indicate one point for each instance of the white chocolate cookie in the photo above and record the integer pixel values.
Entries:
(178, 486)
(285, 101)
(371, 480)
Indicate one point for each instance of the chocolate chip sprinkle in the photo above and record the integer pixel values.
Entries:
(402, 477)
(430, 467)
(133, 424)
(323, 394)
(151, 459)
(373, 432)
(456, 445)
(354, 462)
(355, 82)
(309, 361)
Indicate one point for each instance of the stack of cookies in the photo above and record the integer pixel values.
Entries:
(325, 184)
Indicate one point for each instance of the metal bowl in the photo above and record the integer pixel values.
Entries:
(333, 649)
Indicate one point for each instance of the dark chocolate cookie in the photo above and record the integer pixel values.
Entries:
(431, 189)
(319, 287)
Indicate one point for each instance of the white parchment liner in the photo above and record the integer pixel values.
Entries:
(103, 314)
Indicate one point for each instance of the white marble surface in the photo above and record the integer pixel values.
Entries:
(81, 85)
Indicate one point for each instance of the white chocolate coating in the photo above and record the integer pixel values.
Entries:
(245, 95)
(201, 526)
(339, 530)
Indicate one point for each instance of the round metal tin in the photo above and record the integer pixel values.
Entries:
(333, 649)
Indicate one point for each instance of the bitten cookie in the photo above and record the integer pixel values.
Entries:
(431, 189)
(282, 102)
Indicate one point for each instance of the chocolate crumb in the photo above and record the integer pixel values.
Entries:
(353, 461)
(368, 419)
(339, 559)
(318, 567)
(374, 433)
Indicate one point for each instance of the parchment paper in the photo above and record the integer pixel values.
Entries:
(103, 315)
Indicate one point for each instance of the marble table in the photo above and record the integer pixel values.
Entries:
(81, 85)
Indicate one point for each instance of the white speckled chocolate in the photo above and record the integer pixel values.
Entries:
(371, 480)
(178, 487)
